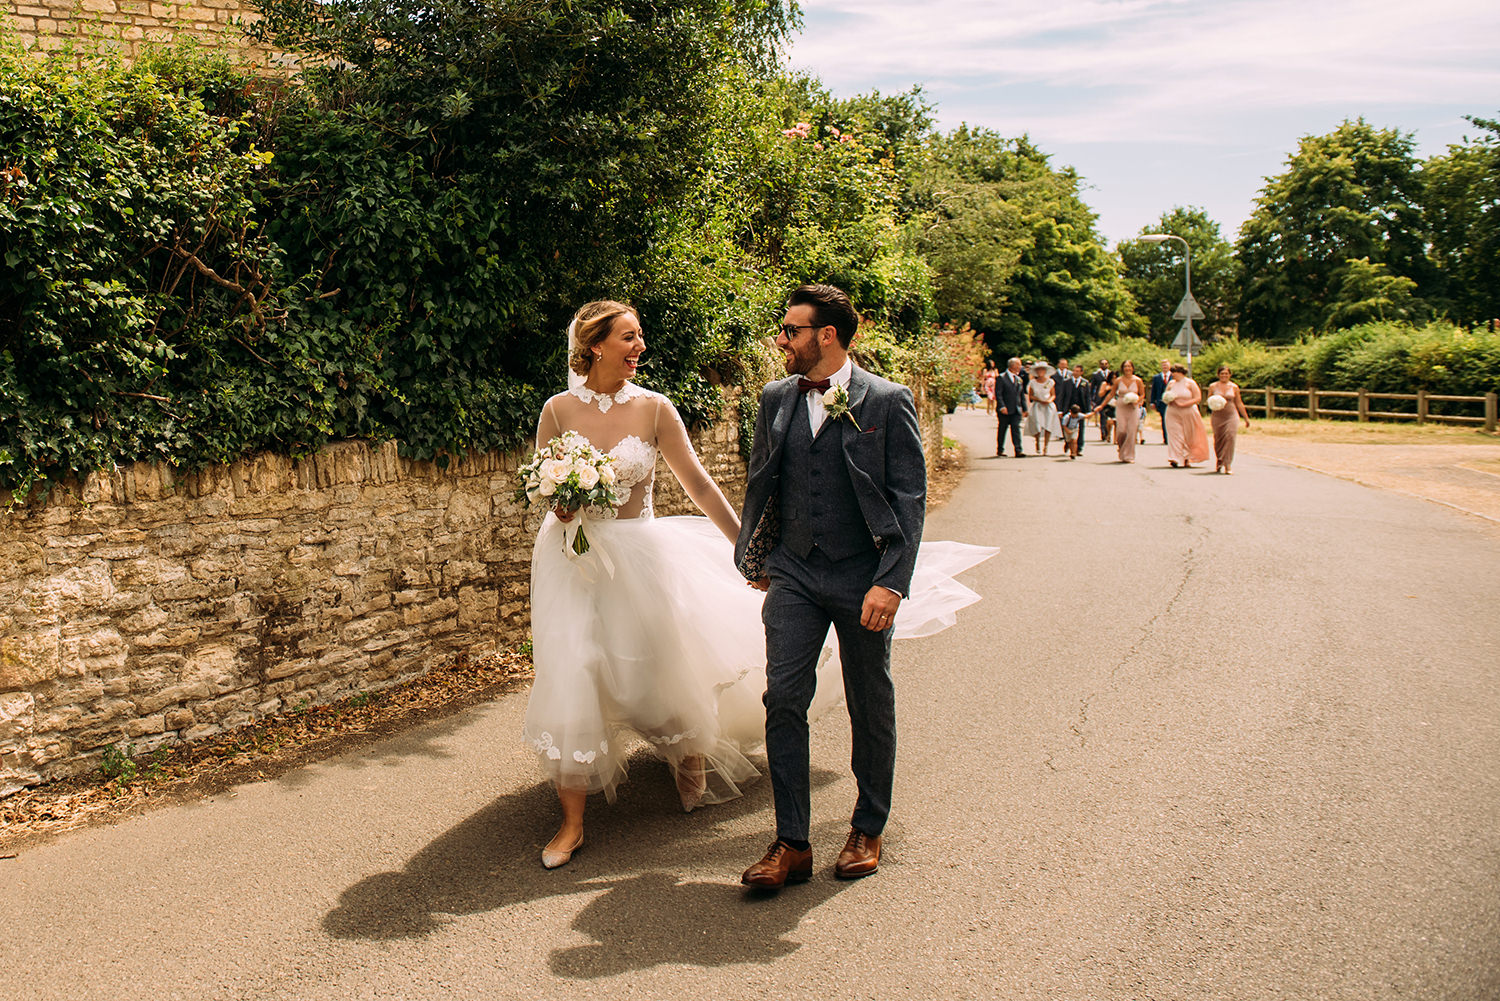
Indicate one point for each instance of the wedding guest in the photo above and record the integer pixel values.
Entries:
(987, 386)
(1159, 383)
(1041, 420)
(1097, 379)
(1106, 411)
(1186, 441)
(1225, 417)
(1066, 389)
(1127, 393)
(1073, 426)
(1082, 398)
(1010, 395)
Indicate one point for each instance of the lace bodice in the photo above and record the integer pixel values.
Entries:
(635, 466)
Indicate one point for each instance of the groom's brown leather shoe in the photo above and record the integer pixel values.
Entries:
(783, 864)
(860, 857)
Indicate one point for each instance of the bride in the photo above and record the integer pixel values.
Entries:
(637, 638)
(653, 636)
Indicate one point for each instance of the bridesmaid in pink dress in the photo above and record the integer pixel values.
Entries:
(1127, 412)
(1187, 442)
(1226, 420)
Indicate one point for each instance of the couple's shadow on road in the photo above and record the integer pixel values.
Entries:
(666, 883)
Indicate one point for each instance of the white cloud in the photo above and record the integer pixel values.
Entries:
(1075, 71)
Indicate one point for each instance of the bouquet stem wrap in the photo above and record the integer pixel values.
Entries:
(576, 546)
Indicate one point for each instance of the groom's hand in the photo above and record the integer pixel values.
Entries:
(764, 584)
(879, 610)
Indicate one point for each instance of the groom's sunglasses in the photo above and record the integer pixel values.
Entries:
(790, 329)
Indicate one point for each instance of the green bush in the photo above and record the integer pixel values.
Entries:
(143, 313)
(1385, 357)
(1146, 356)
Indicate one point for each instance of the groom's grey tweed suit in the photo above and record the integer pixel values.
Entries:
(826, 518)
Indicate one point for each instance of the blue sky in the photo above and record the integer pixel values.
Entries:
(1169, 102)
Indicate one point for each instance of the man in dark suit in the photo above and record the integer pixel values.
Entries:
(1010, 403)
(1159, 383)
(1081, 388)
(1097, 378)
(834, 506)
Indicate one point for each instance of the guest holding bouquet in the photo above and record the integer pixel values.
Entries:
(1226, 409)
(1187, 442)
(1126, 393)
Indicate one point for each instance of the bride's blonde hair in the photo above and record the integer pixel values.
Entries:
(591, 325)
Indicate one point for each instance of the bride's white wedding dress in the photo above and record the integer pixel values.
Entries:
(653, 637)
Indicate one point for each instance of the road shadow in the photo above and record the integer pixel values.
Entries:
(648, 857)
(653, 919)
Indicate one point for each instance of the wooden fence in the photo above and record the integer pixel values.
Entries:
(1324, 403)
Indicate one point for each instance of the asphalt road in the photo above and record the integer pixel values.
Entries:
(1205, 737)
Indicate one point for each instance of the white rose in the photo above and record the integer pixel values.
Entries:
(555, 470)
(1216, 402)
(588, 476)
(547, 487)
(1169, 396)
(608, 476)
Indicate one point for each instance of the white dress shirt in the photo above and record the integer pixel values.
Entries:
(815, 411)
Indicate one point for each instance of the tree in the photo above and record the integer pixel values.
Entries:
(1367, 294)
(1349, 195)
(1013, 248)
(1462, 205)
(1153, 274)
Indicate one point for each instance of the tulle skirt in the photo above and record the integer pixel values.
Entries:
(654, 639)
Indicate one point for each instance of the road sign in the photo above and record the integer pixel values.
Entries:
(1187, 338)
(1188, 309)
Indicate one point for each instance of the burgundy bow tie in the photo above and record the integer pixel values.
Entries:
(804, 385)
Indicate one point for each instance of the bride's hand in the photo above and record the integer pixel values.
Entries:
(563, 514)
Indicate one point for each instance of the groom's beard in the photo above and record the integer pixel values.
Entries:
(802, 358)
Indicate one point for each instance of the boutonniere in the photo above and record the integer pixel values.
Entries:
(836, 405)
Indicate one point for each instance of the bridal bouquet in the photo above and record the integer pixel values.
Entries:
(1129, 398)
(1169, 396)
(571, 474)
(1216, 402)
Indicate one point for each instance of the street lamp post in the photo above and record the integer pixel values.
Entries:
(1187, 310)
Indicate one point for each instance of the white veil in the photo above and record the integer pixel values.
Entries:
(574, 379)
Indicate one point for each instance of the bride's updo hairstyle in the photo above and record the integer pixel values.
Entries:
(591, 325)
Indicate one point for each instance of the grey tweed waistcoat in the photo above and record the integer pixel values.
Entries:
(818, 504)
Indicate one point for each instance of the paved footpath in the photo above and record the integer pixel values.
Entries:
(1206, 737)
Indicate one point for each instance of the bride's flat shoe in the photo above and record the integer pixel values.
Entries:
(552, 859)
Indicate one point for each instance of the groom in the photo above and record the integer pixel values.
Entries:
(833, 516)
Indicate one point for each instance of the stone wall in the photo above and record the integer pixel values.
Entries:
(145, 607)
(128, 26)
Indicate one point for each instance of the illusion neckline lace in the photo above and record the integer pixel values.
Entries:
(629, 391)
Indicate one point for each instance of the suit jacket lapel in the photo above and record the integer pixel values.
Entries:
(784, 414)
(859, 385)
